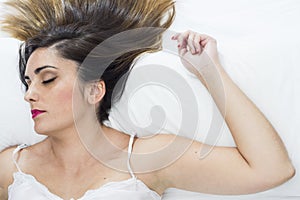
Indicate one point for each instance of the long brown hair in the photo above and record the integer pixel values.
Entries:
(75, 27)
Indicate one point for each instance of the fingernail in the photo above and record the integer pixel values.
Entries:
(179, 46)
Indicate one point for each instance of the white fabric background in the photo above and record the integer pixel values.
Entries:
(259, 47)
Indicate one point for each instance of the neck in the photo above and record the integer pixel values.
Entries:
(68, 150)
(73, 151)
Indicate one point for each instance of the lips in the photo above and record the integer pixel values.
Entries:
(36, 113)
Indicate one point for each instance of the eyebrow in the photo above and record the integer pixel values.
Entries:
(38, 70)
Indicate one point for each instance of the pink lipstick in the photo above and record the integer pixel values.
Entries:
(35, 113)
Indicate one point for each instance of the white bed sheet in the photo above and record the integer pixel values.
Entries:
(259, 47)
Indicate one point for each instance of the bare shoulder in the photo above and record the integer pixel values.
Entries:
(151, 155)
(7, 161)
(7, 167)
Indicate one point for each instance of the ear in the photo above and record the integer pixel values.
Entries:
(95, 91)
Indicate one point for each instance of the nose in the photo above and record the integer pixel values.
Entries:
(31, 95)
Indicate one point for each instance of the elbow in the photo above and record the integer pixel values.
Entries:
(291, 172)
(278, 177)
(273, 176)
(288, 172)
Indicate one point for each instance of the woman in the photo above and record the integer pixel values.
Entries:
(63, 90)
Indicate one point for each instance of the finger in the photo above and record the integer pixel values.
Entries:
(204, 42)
(182, 40)
(191, 43)
(182, 52)
(175, 37)
(206, 39)
(197, 41)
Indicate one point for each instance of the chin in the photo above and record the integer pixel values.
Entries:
(42, 130)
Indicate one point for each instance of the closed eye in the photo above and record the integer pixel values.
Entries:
(49, 80)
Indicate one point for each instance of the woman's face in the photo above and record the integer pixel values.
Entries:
(51, 90)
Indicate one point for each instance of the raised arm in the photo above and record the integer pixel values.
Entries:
(260, 160)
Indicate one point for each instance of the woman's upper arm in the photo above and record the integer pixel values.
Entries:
(222, 171)
(7, 167)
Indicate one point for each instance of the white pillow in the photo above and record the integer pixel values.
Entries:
(259, 48)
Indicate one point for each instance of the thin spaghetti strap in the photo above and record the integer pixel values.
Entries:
(22, 146)
(129, 155)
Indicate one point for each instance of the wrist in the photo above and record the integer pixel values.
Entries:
(211, 70)
(212, 75)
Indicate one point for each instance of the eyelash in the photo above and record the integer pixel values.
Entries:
(49, 80)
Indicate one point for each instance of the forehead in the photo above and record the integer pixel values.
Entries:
(49, 57)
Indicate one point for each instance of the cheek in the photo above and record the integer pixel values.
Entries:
(65, 96)
(76, 100)
(64, 99)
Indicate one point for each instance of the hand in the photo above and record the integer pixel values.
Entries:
(198, 52)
